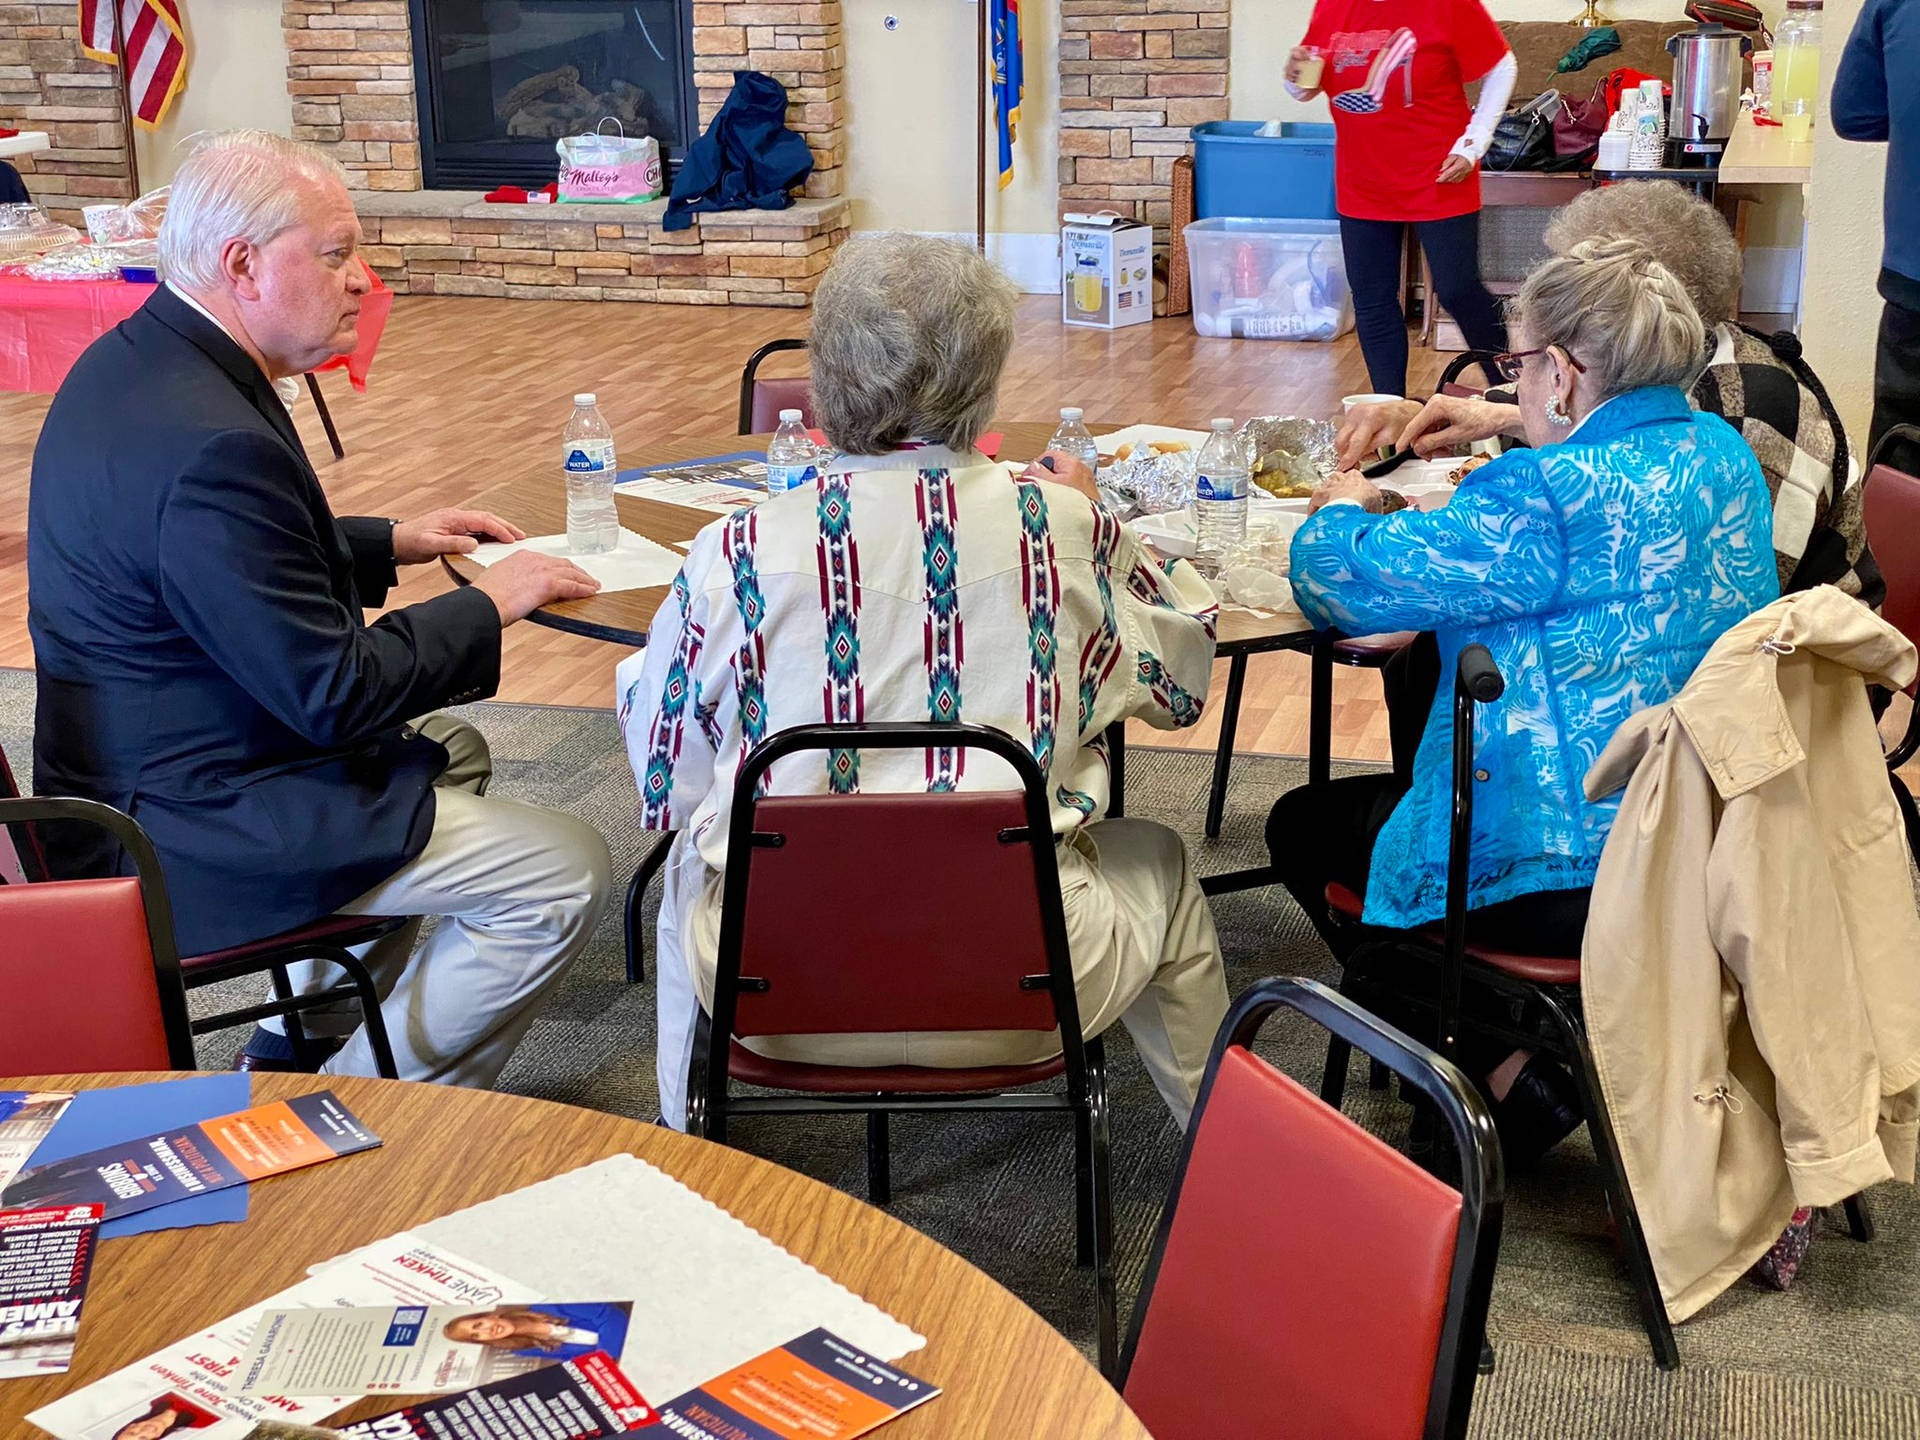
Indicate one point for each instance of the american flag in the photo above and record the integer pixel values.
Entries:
(151, 36)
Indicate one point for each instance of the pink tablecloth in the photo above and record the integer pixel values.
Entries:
(46, 324)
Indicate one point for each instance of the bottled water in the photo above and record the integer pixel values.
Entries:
(1220, 496)
(792, 459)
(1075, 439)
(593, 524)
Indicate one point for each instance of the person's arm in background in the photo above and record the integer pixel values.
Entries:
(1859, 102)
(1493, 553)
(1319, 32)
(1480, 50)
(658, 694)
(1496, 88)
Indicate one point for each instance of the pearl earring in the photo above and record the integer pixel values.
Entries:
(1557, 413)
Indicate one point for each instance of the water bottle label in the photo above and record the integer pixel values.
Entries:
(781, 478)
(589, 457)
(1221, 487)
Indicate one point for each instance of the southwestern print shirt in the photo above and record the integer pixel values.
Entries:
(1396, 77)
(923, 585)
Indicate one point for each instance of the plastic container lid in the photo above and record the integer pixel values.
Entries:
(789, 417)
(1072, 412)
(586, 397)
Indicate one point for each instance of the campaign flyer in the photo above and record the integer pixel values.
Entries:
(574, 1400)
(815, 1388)
(719, 484)
(45, 1259)
(229, 1150)
(199, 1375)
(26, 1118)
(422, 1349)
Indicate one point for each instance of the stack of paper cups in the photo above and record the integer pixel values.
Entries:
(1648, 151)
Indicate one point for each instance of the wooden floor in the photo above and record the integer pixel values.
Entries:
(469, 392)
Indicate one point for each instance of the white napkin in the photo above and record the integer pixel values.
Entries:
(635, 563)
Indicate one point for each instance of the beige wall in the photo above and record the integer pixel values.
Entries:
(1840, 306)
(236, 75)
(910, 95)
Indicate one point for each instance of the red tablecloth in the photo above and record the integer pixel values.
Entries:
(46, 324)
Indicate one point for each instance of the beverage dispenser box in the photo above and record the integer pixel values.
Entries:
(1106, 271)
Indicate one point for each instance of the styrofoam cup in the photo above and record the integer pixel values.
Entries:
(1350, 403)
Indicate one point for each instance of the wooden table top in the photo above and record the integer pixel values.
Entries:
(1762, 155)
(537, 505)
(1004, 1370)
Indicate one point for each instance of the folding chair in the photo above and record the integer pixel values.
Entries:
(879, 913)
(761, 401)
(89, 968)
(325, 939)
(1305, 1268)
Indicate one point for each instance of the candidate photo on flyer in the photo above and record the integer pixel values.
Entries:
(164, 1415)
(549, 1332)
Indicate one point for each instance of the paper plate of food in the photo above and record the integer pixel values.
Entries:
(1138, 441)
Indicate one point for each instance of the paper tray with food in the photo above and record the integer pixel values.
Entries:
(1165, 439)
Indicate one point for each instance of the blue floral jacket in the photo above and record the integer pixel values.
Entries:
(1597, 571)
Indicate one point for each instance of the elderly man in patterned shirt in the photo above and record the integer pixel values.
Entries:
(910, 524)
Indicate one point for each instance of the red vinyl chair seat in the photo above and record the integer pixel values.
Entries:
(753, 1069)
(1304, 1283)
(333, 930)
(1540, 969)
(775, 393)
(65, 938)
(1891, 501)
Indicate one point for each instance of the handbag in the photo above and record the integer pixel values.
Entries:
(600, 167)
(1734, 14)
(1579, 124)
(1523, 137)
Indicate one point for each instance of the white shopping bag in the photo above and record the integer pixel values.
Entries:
(602, 167)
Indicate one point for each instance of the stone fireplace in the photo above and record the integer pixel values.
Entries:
(352, 71)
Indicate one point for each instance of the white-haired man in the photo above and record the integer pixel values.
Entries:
(204, 664)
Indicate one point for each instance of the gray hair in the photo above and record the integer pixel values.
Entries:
(1683, 232)
(1619, 312)
(910, 334)
(235, 185)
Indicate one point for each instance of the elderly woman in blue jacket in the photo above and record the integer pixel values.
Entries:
(1597, 566)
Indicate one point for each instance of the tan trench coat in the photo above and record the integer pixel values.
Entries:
(1751, 969)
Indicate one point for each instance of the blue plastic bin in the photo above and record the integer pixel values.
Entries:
(1239, 172)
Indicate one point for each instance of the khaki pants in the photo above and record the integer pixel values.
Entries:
(1138, 930)
(517, 891)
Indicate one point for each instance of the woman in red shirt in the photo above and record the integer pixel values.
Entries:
(1408, 152)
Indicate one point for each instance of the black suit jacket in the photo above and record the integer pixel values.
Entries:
(203, 661)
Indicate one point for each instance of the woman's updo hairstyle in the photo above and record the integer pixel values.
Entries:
(1619, 312)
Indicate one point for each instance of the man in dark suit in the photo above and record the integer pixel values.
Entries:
(204, 664)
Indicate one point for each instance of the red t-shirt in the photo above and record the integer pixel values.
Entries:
(1396, 73)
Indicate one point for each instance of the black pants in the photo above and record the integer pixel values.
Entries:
(1896, 375)
(1452, 248)
(1326, 837)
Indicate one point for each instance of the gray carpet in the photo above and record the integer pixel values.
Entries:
(1838, 1356)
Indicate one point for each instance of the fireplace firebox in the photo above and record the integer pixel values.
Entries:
(500, 80)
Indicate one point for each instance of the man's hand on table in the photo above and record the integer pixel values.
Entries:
(1068, 470)
(526, 580)
(1346, 485)
(1447, 421)
(448, 532)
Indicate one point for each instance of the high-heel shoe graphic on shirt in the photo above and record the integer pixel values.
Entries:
(1370, 98)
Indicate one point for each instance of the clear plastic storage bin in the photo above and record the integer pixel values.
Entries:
(1269, 279)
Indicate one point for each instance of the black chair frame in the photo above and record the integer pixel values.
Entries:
(274, 960)
(1401, 966)
(1464, 362)
(1482, 1179)
(752, 370)
(153, 900)
(710, 1106)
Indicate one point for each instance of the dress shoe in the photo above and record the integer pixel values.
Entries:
(321, 1051)
(1541, 1108)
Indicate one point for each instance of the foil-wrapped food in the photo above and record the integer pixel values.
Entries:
(1151, 481)
(1290, 455)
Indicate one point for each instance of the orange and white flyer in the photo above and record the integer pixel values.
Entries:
(137, 1175)
(817, 1387)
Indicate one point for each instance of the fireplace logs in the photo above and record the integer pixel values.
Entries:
(555, 103)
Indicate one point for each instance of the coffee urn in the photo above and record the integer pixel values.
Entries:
(1708, 66)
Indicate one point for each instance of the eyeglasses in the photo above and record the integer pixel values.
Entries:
(1508, 364)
